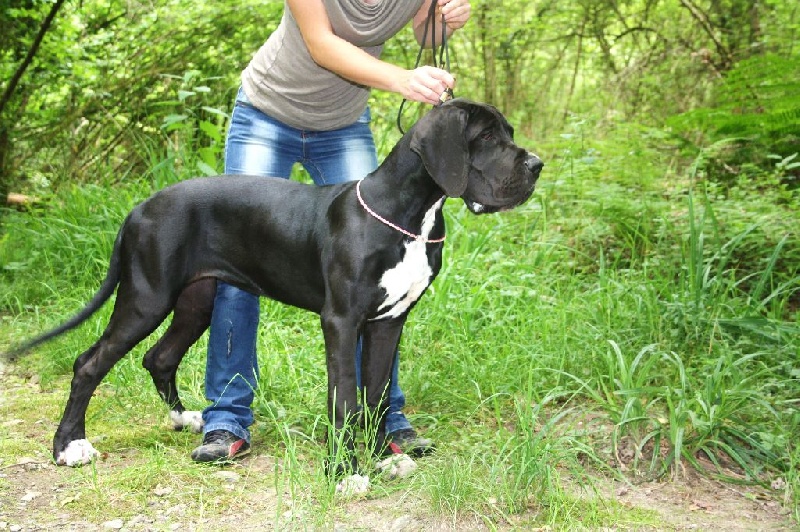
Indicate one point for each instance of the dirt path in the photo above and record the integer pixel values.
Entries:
(37, 495)
(34, 499)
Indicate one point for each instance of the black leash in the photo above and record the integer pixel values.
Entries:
(444, 56)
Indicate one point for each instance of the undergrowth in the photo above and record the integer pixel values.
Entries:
(629, 290)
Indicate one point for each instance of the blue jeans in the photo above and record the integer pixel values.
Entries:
(260, 145)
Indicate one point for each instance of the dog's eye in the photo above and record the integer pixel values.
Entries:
(487, 135)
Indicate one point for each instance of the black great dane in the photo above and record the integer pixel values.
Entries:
(360, 254)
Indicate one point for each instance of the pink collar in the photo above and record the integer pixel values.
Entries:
(375, 215)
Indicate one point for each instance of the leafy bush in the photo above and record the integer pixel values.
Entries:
(752, 122)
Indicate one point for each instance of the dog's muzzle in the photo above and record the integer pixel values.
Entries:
(531, 168)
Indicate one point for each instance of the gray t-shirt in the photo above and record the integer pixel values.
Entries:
(283, 81)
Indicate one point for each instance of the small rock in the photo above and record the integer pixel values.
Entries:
(228, 476)
(404, 522)
(160, 491)
(703, 505)
(30, 495)
(293, 515)
(178, 509)
(114, 524)
(135, 520)
(68, 500)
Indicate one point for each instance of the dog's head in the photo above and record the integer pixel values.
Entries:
(468, 149)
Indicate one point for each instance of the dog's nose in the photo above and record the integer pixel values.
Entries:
(533, 164)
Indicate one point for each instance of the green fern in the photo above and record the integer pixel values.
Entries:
(759, 97)
(762, 96)
(752, 119)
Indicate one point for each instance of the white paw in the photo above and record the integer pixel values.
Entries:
(77, 453)
(397, 466)
(188, 419)
(353, 485)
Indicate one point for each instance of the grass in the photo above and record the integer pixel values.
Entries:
(630, 322)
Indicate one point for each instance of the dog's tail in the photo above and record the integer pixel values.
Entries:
(101, 296)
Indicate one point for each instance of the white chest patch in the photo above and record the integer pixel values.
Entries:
(406, 282)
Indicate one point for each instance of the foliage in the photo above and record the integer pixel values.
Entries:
(753, 120)
(99, 84)
(641, 312)
(682, 338)
(102, 80)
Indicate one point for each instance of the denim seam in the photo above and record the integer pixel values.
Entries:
(239, 432)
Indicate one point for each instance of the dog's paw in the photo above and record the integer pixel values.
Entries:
(397, 466)
(188, 419)
(353, 485)
(77, 453)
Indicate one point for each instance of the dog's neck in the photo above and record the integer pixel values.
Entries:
(411, 190)
(428, 220)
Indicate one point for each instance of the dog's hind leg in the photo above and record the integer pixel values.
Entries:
(130, 323)
(191, 317)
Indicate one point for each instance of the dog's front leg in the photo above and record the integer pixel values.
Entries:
(341, 336)
(379, 350)
(380, 342)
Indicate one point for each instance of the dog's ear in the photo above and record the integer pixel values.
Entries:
(439, 138)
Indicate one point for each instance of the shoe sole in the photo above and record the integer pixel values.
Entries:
(207, 459)
(416, 452)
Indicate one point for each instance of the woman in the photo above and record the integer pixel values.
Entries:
(304, 100)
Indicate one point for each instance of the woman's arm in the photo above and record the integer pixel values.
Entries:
(456, 13)
(424, 84)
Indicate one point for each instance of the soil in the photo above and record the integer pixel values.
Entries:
(35, 501)
(34, 495)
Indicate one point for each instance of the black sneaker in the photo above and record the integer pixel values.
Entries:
(220, 446)
(408, 441)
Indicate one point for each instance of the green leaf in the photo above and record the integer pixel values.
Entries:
(206, 169)
(173, 122)
(215, 111)
(211, 130)
(182, 94)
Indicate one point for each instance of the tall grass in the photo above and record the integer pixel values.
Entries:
(626, 295)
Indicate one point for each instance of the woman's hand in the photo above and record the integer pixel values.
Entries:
(456, 13)
(424, 84)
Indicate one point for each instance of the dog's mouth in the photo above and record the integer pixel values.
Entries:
(531, 170)
(476, 207)
(479, 208)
